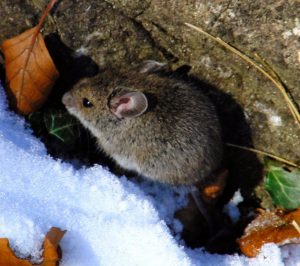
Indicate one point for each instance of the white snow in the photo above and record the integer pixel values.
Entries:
(231, 207)
(109, 220)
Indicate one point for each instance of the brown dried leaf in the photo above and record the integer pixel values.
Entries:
(270, 227)
(51, 255)
(213, 189)
(30, 71)
(8, 258)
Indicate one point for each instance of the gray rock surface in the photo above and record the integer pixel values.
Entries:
(120, 32)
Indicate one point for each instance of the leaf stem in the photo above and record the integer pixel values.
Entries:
(42, 20)
(275, 157)
(45, 13)
(34, 40)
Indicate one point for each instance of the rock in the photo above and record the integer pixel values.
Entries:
(119, 33)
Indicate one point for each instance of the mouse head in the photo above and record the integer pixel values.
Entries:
(111, 97)
(97, 105)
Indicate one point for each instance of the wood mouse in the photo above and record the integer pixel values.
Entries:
(150, 122)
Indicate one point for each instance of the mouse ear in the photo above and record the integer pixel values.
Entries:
(151, 66)
(128, 105)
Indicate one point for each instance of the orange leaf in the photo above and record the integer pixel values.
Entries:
(52, 239)
(270, 227)
(7, 257)
(51, 256)
(30, 71)
(214, 188)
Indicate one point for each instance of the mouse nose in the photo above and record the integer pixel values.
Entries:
(68, 100)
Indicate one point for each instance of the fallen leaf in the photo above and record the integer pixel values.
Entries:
(213, 189)
(283, 186)
(270, 227)
(50, 256)
(8, 258)
(30, 71)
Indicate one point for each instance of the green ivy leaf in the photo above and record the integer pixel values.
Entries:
(61, 125)
(283, 186)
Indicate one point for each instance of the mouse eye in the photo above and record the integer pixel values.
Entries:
(86, 103)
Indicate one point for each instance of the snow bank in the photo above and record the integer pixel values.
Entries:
(109, 220)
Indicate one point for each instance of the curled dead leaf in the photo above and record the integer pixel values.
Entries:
(270, 227)
(8, 258)
(213, 189)
(50, 256)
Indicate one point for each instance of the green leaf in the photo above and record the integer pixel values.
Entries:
(61, 125)
(283, 186)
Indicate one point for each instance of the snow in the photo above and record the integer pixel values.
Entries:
(109, 220)
(231, 207)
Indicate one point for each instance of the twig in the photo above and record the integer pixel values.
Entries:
(265, 154)
(267, 71)
(290, 101)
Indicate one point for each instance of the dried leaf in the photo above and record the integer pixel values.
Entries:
(30, 71)
(213, 189)
(270, 227)
(51, 256)
(7, 257)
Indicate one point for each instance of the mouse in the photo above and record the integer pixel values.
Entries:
(151, 122)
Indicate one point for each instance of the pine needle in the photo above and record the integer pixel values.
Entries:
(296, 226)
(264, 68)
(275, 157)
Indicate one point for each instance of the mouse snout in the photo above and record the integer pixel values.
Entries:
(68, 100)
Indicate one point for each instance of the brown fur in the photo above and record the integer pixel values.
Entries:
(176, 141)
